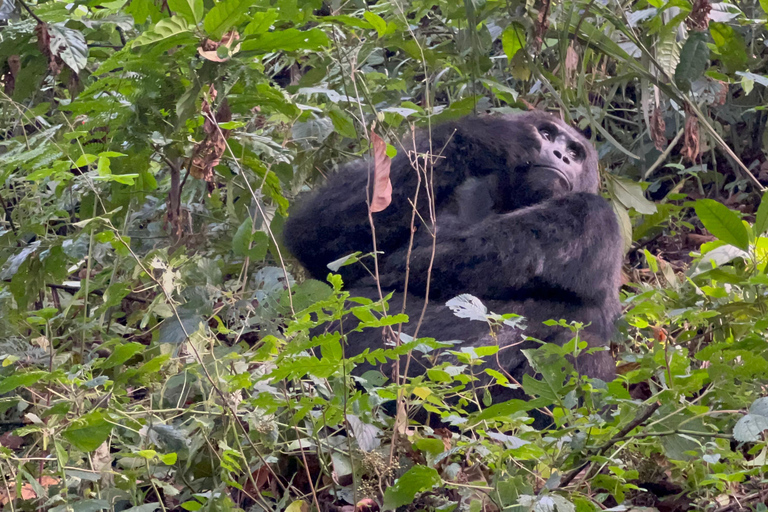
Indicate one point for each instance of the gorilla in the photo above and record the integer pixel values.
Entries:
(518, 223)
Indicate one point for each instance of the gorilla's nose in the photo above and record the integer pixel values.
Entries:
(562, 157)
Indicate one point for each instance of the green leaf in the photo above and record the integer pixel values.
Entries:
(764, 5)
(242, 238)
(261, 22)
(513, 40)
(123, 353)
(164, 30)
(722, 223)
(415, 480)
(288, 40)
(342, 123)
(69, 45)
(761, 221)
(85, 159)
(190, 10)
(88, 432)
(630, 194)
(376, 22)
(19, 380)
(730, 45)
(694, 58)
(224, 16)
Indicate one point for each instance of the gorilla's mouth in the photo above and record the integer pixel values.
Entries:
(557, 171)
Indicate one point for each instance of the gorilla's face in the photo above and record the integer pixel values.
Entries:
(560, 160)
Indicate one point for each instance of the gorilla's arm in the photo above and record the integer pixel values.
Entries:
(333, 221)
(568, 249)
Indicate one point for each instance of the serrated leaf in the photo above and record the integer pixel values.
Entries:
(88, 432)
(694, 58)
(288, 40)
(190, 10)
(69, 45)
(224, 16)
(164, 29)
(513, 40)
(722, 223)
(749, 428)
(415, 480)
(468, 306)
(759, 407)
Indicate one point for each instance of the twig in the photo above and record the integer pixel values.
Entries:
(665, 154)
(25, 6)
(629, 427)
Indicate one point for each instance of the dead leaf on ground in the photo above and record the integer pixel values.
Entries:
(382, 186)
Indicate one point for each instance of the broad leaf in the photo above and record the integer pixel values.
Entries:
(288, 40)
(630, 194)
(749, 428)
(19, 380)
(513, 40)
(761, 221)
(88, 432)
(415, 480)
(164, 30)
(376, 21)
(722, 223)
(69, 45)
(730, 45)
(224, 16)
(190, 10)
(694, 58)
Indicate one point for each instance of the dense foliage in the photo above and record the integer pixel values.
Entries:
(155, 335)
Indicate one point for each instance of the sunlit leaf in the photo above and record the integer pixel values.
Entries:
(722, 223)
(225, 15)
(415, 480)
(190, 10)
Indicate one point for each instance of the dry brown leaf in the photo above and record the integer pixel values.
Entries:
(55, 64)
(27, 492)
(366, 505)
(691, 137)
(658, 127)
(382, 186)
(571, 62)
(209, 151)
(698, 19)
(208, 48)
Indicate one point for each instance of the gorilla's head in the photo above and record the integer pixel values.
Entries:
(549, 158)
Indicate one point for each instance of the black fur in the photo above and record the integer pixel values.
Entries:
(518, 224)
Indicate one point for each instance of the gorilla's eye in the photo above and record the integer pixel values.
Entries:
(575, 151)
(546, 133)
